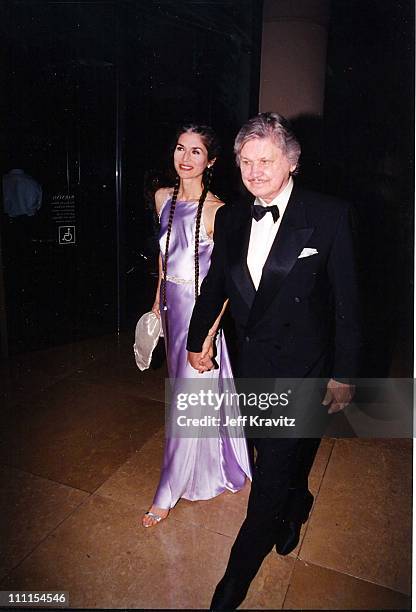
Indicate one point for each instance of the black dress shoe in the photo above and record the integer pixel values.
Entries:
(229, 594)
(288, 533)
(288, 537)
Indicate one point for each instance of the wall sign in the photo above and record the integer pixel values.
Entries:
(66, 234)
(63, 215)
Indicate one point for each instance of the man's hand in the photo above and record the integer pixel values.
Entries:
(200, 362)
(338, 396)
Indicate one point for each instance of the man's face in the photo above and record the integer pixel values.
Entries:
(265, 169)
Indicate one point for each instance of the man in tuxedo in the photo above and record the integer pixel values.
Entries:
(286, 264)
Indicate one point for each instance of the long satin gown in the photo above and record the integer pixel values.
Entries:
(203, 467)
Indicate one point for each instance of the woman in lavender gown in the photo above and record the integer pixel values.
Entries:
(201, 467)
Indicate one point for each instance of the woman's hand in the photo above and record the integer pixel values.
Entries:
(208, 347)
(156, 308)
(198, 363)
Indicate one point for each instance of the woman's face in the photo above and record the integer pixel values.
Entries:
(191, 156)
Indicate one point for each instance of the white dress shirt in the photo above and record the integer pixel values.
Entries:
(264, 232)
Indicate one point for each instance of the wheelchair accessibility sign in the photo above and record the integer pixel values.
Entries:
(66, 234)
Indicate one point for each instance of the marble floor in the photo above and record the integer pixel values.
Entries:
(79, 460)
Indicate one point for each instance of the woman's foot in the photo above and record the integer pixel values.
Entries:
(154, 516)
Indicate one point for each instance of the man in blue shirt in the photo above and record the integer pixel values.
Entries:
(22, 195)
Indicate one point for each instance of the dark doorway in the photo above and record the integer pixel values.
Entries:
(93, 93)
(369, 160)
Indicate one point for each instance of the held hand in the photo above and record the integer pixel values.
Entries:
(207, 363)
(200, 363)
(208, 347)
(156, 309)
(338, 396)
(194, 359)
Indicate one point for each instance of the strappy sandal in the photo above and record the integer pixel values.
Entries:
(155, 517)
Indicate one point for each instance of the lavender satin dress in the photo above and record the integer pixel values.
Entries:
(204, 467)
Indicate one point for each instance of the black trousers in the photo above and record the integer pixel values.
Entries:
(279, 486)
(280, 473)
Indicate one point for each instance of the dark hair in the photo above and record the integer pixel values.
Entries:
(211, 143)
(207, 134)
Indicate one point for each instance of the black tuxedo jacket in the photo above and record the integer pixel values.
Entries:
(304, 318)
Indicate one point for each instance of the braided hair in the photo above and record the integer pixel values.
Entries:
(211, 143)
(168, 232)
(206, 183)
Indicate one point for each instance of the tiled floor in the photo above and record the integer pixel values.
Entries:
(79, 461)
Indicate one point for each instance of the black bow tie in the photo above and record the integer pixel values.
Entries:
(258, 212)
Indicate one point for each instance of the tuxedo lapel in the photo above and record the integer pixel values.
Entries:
(237, 258)
(292, 236)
